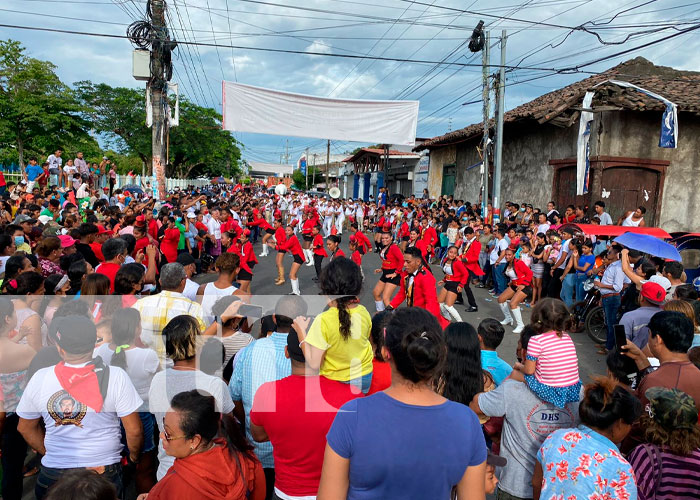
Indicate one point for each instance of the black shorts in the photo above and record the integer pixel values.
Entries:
(527, 290)
(282, 251)
(451, 286)
(308, 238)
(396, 280)
(270, 231)
(298, 260)
(244, 275)
(361, 250)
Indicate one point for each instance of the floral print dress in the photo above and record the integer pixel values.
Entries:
(581, 464)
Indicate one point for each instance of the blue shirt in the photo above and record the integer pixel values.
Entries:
(397, 450)
(586, 259)
(581, 463)
(33, 171)
(260, 362)
(498, 368)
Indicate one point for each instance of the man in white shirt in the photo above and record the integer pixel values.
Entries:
(497, 261)
(214, 230)
(82, 403)
(605, 219)
(190, 266)
(55, 168)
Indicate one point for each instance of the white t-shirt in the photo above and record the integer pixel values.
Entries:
(167, 384)
(76, 435)
(70, 170)
(141, 365)
(543, 228)
(55, 162)
(214, 228)
(500, 245)
(190, 290)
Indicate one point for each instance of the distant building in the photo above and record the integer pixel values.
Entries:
(259, 170)
(369, 169)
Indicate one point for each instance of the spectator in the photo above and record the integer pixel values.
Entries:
(88, 233)
(295, 414)
(667, 465)
(584, 461)
(670, 338)
(82, 403)
(603, 216)
(338, 339)
(491, 334)
(50, 251)
(115, 252)
(264, 361)
(409, 419)
(190, 265)
(82, 485)
(528, 421)
(381, 370)
(181, 336)
(651, 298)
(673, 271)
(157, 310)
(232, 336)
(212, 459)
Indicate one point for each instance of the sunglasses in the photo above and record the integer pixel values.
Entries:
(168, 437)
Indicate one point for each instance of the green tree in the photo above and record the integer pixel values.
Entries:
(198, 146)
(38, 113)
(300, 179)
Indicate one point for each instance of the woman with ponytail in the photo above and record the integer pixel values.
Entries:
(28, 292)
(213, 460)
(406, 441)
(140, 364)
(585, 462)
(338, 339)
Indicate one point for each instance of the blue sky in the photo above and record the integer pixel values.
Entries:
(428, 30)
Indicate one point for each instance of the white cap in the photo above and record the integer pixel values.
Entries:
(664, 282)
(191, 215)
(44, 219)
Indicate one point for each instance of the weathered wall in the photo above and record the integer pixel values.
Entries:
(438, 159)
(636, 135)
(526, 174)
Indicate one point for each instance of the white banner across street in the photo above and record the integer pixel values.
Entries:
(266, 111)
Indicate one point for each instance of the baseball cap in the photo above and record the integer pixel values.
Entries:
(102, 230)
(246, 232)
(22, 218)
(74, 334)
(191, 215)
(185, 259)
(294, 348)
(671, 408)
(51, 228)
(66, 240)
(653, 292)
(44, 218)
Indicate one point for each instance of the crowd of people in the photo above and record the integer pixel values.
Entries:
(122, 373)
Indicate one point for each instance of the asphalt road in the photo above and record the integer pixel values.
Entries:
(590, 363)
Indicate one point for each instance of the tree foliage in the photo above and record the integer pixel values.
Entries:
(198, 146)
(38, 113)
(300, 180)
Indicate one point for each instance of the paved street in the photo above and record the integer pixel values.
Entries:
(590, 363)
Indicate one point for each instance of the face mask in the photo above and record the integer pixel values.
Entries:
(522, 209)
(19, 240)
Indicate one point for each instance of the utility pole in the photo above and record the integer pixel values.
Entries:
(485, 142)
(286, 154)
(328, 164)
(306, 170)
(313, 172)
(158, 87)
(500, 102)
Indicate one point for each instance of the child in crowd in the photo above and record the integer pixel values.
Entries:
(491, 332)
(551, 365)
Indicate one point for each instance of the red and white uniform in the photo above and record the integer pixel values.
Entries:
(392, 258)
(293, 246)
(318, 246)
(455, 271)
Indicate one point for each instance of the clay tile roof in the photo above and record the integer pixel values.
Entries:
(680, 87)
(392, 152)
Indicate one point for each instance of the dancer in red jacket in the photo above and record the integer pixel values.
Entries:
(392, 262)
(519, 289)
(456, 276)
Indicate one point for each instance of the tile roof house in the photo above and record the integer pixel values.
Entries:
(628, 168)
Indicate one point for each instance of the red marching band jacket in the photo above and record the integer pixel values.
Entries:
(522, 272)
(291, 245)
(459, 273)
(471, 257)
(422, 294)
(392, 258)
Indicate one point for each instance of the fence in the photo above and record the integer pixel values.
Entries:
(123, 180)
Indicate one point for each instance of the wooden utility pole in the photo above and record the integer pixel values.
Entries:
(485, 142)
(158, 87)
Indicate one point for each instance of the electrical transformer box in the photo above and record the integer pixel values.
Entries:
(141, 64)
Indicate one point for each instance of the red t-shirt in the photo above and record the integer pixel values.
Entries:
(357, 257)
(168, 244)
(297, 413)
(381, 376)
(97, 250)
(109, 269)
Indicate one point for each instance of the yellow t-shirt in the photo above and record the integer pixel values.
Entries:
(346, 359)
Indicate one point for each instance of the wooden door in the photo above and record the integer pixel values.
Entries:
(566, 187)
(626, 188)
(448, 180)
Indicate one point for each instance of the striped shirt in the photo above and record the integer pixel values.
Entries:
(557, 363)
(679, 476)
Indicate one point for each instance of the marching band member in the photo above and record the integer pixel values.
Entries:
(392, 263)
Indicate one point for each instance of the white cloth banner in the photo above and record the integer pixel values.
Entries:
(266, 111)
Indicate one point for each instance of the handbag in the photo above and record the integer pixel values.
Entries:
(653, 453)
